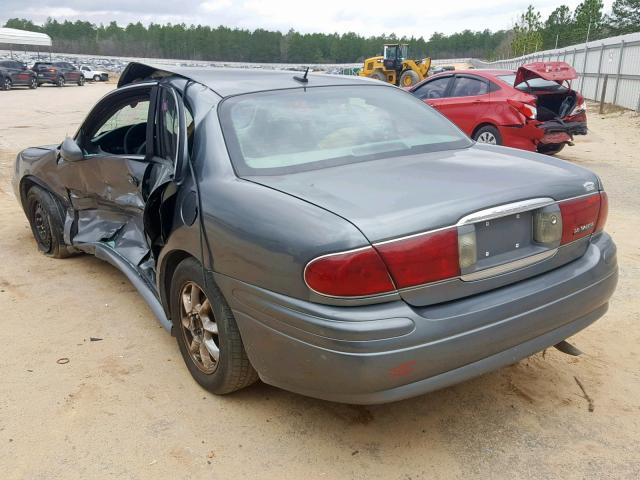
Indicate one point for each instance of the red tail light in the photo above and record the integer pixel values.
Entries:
(355, 273)
(583, 216)
(412, 261)
(423, 258)
(529, 111)
(604, 212)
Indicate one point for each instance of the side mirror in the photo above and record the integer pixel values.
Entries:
(70, 151)
(24, 66)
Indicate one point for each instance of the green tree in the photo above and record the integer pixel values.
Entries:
(625, 17)
(527, 32)
(557, 28)
(589, 21)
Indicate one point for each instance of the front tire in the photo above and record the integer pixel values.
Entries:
(34, 83)
(60, 81)
(47, 223)
(81, 81)
(378, 76)
(409, 78)
(207, 333)
(489, 135)
(96, 78)
(6, 83)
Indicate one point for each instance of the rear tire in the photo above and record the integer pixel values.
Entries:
(6, 83)
(60, 81)
(409, 78)
(205, 328)
(489, 135)
(34, 83)
(47, 223)
(378, 76)
(81, 81)
(96, 78)
(550, 149)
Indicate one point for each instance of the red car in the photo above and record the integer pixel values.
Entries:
(533, 109)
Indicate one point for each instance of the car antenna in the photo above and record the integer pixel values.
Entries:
(302, 79)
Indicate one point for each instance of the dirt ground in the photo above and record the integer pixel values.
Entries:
(126, 407)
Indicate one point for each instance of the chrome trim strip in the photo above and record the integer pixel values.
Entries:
(505, 210)
(414, 235)
(508, 267)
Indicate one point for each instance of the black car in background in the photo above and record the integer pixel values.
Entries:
(58, 73)
(13, 73)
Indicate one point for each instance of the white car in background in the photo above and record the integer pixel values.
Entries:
(95, 75)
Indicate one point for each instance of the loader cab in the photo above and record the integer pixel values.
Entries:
(394, 56)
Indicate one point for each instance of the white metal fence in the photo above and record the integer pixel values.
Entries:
(611, 65)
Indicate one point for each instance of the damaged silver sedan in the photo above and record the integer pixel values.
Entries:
(333, 236)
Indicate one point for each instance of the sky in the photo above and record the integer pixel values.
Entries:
(366, 17)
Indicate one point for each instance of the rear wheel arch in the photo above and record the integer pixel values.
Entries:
(483, 124)
(169, 264)
(487, 128)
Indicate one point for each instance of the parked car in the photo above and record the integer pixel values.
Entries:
(58, 73)
(13, 73)
(96, 75)
(331, 235)
(533, 108)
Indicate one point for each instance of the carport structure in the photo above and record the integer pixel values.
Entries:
(13, 36)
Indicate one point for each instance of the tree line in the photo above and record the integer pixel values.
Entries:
(201, 42)
(564, 27)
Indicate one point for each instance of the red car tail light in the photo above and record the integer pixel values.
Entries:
(355, 273)
(581, 216)
(581, 107)
(604, 212)
(529, 111)
(423, 258)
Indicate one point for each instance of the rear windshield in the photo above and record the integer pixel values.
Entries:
(533, 84)
(286, 131)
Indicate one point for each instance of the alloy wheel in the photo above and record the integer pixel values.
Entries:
(199, 328)
(7, 84)
(487, 137)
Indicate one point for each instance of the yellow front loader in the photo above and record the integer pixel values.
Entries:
(394, 67)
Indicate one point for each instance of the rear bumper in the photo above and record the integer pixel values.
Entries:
(387, 352)
(47, 77)
(529, 135)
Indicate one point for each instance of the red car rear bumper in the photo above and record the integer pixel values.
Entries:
(533, 132)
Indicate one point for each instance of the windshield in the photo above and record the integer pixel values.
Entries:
(533, 84)
(285, 131)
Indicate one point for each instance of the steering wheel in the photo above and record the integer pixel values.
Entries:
(129, 137)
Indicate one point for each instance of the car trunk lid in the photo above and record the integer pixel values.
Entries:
(553, 71)
(398, 196)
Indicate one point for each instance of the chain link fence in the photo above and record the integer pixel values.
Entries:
(608, 69)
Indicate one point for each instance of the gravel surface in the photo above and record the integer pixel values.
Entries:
(126, 407)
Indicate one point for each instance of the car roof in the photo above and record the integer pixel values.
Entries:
(480, 72)
(234, 81)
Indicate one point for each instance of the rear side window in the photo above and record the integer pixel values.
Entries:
(169, 126)
(436, 88)
(468, 87)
